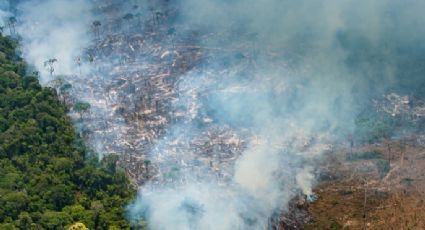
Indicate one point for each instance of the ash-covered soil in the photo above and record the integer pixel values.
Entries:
(153, 89)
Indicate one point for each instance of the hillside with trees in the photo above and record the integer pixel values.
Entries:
(48, 178)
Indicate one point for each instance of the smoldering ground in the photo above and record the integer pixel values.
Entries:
(294, 74)
(313, 67)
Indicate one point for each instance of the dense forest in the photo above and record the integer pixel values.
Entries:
(48, 178)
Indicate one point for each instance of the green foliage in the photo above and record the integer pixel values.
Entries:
(48, 178)
(65, 88)
(369, 155)
(335, 226)
(373, 126)
(81, 107)
(78, 226)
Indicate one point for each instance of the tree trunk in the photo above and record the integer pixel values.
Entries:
(364, 205)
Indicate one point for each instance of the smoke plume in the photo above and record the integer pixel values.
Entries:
(272, 84)
(296, 74)
(4, 13)
(52, 29)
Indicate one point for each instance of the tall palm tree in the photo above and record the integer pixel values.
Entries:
(128, 17)
(11, 23)
(96, 28)
(49, 64)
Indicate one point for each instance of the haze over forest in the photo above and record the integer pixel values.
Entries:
(212, 114)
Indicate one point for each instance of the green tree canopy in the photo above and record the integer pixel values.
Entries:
(48, 178)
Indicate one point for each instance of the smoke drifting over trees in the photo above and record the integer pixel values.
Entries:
(54, 30)
(293, 75)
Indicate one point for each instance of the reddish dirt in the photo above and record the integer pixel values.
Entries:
(395, 199)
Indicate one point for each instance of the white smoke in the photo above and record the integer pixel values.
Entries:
(54, 29)
(275, 166)
(299, 94)
(284, 70)
(4, 14)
